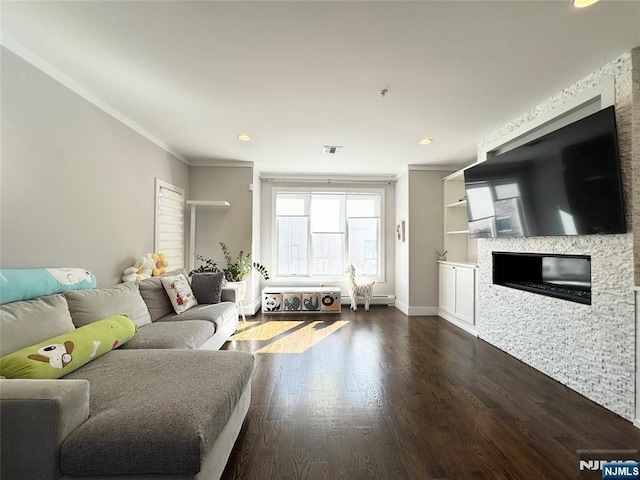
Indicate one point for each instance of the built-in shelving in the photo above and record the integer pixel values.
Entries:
(459, 247)
(458, 271)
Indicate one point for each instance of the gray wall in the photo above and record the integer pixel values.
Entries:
(402, 248)
(425, 234)
(233, 225)
(77, 186)
(419, 202)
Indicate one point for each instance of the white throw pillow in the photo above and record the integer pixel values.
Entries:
(179, 291)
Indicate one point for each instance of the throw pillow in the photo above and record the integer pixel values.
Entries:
(179, 291)
(207, 287)
(65, 353)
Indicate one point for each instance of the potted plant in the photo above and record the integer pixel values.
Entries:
(235, 270)
(239, 266)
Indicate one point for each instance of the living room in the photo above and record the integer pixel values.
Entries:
(80, 164)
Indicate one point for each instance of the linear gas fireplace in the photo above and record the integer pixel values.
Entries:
(562, 276)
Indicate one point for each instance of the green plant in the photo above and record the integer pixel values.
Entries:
(237, 267)
(209, 266)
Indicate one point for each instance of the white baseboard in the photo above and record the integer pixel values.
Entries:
(636, 423)
(458, 323)
(416, 311)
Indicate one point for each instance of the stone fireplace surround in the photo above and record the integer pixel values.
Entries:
(589, 348)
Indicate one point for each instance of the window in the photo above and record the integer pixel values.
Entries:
(317, 233)
(169, 231)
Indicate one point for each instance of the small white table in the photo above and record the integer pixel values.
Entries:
(241, 292)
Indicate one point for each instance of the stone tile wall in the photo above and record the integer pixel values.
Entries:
(590, 348)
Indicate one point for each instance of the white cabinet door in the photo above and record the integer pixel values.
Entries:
(447, 288)
(465, 298)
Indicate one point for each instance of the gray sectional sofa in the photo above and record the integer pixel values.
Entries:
(165, 405)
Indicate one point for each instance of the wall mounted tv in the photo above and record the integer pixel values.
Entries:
(566, 182)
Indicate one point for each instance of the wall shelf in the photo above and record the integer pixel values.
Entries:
(208, 203)
(192, 230)
(460, 204)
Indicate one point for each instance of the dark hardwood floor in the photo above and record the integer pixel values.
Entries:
(384, 396)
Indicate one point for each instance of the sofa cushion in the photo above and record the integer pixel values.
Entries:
(29, 322)
(207, 287)
(219, 314)
(87, 306)
(179, 292)
(191, 334)
(154, 411)
(58, 356)
(156, 299)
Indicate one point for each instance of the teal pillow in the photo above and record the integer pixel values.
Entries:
(58, 356)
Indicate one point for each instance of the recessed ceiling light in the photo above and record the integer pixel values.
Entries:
(582, 3)
(425, 141)
(243, 137)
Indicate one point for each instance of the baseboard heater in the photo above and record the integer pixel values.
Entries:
(567, 277)
(389, 300)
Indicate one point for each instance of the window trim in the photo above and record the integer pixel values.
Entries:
(319, 190)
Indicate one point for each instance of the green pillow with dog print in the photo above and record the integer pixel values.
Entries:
(57, 356)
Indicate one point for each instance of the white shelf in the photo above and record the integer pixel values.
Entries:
(461, 203)
(208, 203)
(458, 232)
(192, 233)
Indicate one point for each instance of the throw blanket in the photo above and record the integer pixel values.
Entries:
(16, 285)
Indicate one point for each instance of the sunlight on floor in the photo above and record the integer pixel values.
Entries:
(304, 338)
(242, 326)
(266, 331)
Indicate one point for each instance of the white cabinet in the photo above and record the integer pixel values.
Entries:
(458, 294)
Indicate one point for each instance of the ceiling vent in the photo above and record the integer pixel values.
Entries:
(331, 150)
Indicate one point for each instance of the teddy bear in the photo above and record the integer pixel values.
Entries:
(159, 264)
(141, 270)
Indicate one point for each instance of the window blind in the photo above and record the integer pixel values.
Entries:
(170, 225)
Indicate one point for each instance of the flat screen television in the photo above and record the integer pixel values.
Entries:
(566, 182)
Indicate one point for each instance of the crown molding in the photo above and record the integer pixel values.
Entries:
(34, 60)
(280, 177)
(203, 162)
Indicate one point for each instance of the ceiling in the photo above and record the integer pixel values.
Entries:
(296, 76)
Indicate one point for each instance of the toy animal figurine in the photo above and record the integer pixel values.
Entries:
(358, 288)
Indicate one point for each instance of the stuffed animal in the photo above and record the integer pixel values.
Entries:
(159, 264)
(141, 269)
